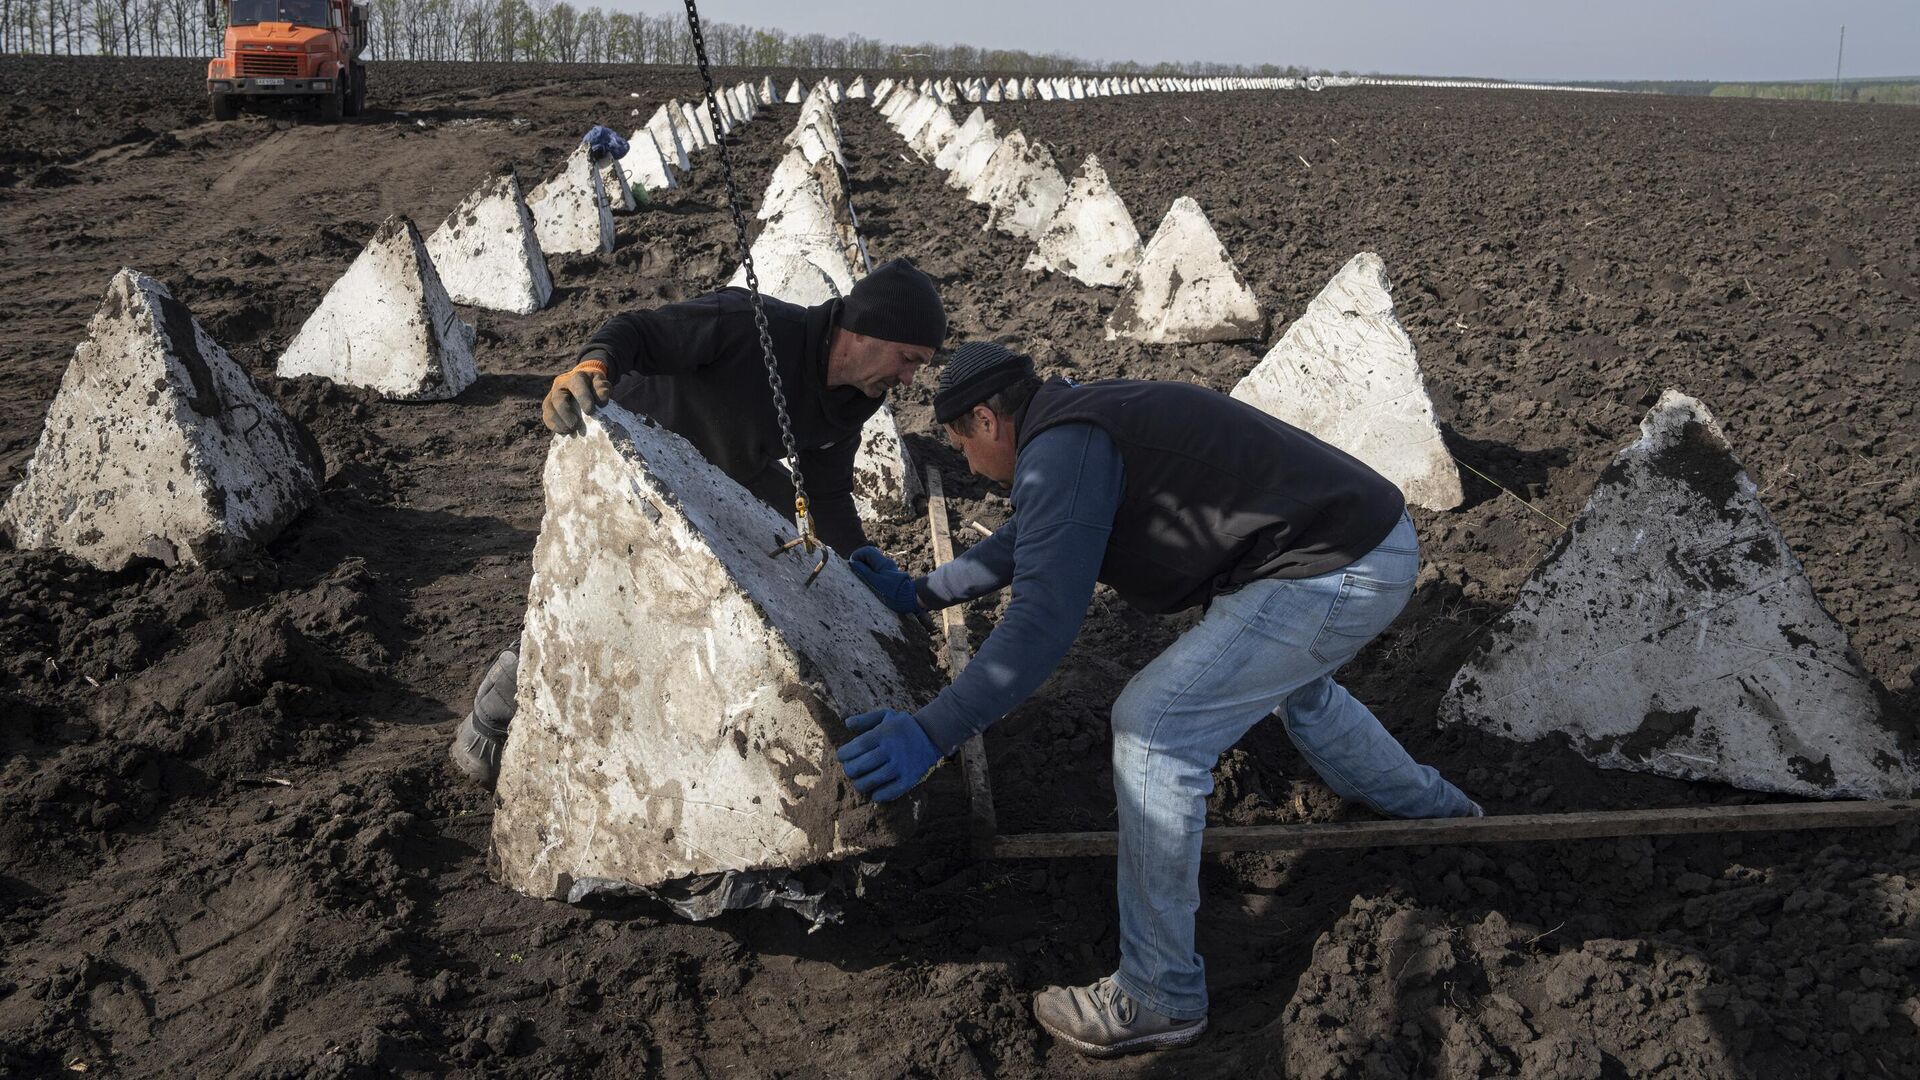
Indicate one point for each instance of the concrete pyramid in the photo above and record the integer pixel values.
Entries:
(949, 155)
(992, 92)
(1672, 631)
(570, 211)
(766, 91)
(1009, 150)
(1187, 289)
(1091, 237)
(486, 251)
(932, 135)
(158, 445)
(680, 693)
(788, 275)
(910, 120)
(885, 483)
(1346, 372)
(387, 325)
(645, 165)
(1025, 193)
(973, 158)
(857, 89)
(835, 93)
(794, 93)
(878, 95)
(699, 126)
(613, 180)
(665, 130)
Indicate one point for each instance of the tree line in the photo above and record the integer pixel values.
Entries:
(539, 31)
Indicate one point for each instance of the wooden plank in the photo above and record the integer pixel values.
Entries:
(973, 752)
(1507, 829)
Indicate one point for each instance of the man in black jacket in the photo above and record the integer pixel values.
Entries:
(697, 367)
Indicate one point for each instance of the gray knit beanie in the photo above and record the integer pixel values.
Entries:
(976, 371)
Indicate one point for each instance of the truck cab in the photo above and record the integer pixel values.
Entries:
(289, 49)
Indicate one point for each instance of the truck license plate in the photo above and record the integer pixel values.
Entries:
(270, 82)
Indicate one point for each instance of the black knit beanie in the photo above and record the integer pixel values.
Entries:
(976, 371)
(896, 302)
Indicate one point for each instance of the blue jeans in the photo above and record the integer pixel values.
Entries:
(1272, 645)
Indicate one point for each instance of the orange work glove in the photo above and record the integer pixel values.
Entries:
(575, 395)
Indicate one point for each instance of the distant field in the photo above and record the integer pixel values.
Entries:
(1883, 91)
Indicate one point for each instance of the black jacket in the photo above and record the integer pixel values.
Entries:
(697, 368)
(1217, 493)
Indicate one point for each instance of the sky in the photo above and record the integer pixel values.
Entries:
(1558, 40)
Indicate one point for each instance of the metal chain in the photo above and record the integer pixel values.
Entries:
(802, 513)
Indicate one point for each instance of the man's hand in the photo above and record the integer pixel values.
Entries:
(575, 395)
(891, 584)
(890, 755)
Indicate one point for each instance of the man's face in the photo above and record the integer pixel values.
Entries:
(989, 446)
(875, 365)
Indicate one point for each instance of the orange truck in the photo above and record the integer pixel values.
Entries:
(279, 49)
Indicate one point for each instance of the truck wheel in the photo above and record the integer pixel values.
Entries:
(224, 107)
(332, 105)
(357, 92)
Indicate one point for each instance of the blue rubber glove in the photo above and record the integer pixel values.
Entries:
(891, 584)
(890, 755)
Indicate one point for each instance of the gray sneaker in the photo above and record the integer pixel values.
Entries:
(1102, 1021)
(476, 746)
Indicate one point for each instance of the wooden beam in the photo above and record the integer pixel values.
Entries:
(953, 621)
(1507, 829)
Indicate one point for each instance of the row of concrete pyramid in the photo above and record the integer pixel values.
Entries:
(949, 91)
(809, 251)
(1181, 287)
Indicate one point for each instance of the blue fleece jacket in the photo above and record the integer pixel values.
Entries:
(1066, 489)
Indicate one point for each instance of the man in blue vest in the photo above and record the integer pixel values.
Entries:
(1176, 497)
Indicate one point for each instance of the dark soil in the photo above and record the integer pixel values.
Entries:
(229, 844)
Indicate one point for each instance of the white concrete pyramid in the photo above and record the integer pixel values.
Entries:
(645, 165)
(973, 158)
(885, 483)
(1187, 289)
(486, 251)
(1005, 153)
(949, 155)
(158, 445)
(680, 694)
(387, 325)
(698, 124)
(857, 89)
(992, 92)
(1672, 631)
(1091, 238)
(570, 211)
(794, 93)
(1025, 193)
(1346, 372)
(878, 95)
(835, 92)
(767, 92)
(788, 275)
(613, 181)
(932, 134)
(665, 129)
